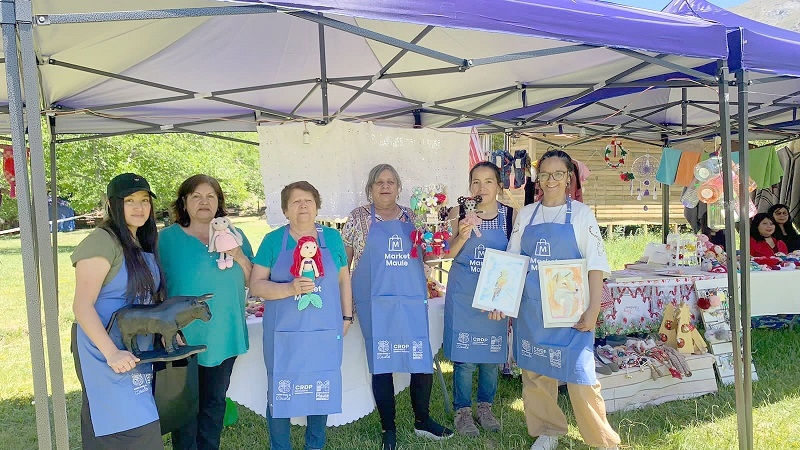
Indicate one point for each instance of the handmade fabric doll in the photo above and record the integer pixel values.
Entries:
(223, 237)
(307, 263)
(469, 211)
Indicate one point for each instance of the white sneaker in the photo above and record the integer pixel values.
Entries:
(544, 442)
(608, 448)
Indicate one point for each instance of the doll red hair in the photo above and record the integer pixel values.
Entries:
(297, 260)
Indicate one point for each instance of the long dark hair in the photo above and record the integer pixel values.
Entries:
(757, 219)
(179, 212)
(789, 229)
(141, 283)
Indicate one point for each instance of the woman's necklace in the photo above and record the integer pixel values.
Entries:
(558, 213)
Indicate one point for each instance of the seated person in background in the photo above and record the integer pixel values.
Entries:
(762, 243)
(784, 226)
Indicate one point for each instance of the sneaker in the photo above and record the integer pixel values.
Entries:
(485, 417)
(544, 442)
(608, 448)
(432, 430)
(464, 424)
(389, 440)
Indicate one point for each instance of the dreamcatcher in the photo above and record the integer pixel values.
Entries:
(644, 170)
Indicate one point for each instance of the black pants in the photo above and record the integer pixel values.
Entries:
(204, 431)
(143, 437)
(420, 391)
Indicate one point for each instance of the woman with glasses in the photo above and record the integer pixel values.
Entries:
(190, 269)
(784, 226)
(559, 228)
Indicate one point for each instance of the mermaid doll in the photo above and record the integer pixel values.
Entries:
(307, 263)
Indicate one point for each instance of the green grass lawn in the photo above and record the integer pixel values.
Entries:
(707, 422)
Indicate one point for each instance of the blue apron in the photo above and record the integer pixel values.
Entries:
(469, 335)
(303, 349)
(117, 401)
(561, 353)
(391, 296)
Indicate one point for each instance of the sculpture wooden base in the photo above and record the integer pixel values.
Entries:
(162, 355)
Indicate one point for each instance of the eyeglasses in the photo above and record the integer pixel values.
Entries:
(544, 176)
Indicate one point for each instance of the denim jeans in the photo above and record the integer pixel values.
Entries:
(462, 383)
(280, 436)
(203, 433)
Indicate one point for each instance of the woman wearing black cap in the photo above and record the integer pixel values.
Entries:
(116, 265)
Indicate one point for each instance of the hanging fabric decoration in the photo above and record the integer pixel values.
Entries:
(615, 154)
(644, 169)
(8, 169)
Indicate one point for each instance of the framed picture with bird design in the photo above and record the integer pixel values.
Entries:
(501, 281)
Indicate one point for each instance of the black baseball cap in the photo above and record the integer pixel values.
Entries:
(126, 184)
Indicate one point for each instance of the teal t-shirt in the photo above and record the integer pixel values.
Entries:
(190, 269)
(271, 246)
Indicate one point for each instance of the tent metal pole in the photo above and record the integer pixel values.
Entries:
(730, 248)
(664, 212)
(51, 122)
(484, 105)
(30, 79)
(117, 16)
(742, 82)
(383, 69)
(323, 72)
(657, 60)
(584, 93)
(27, 228)
(531, 54)
(306, 97)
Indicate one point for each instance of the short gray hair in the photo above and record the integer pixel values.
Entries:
(375, 173)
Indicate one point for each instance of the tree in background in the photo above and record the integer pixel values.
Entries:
(84, 168)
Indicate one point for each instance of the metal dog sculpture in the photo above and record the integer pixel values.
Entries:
(166, 319)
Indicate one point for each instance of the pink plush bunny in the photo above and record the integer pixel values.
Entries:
(223, 237)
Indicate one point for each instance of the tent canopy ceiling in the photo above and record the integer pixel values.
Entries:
(383, 60)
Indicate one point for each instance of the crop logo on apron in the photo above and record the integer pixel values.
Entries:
(417, 350)
(480, 341)
(284, 390)
(323, 389)
(395, 244)
(555, 358)
(301, 389)
(496, 343)
(383, 350)
(400, 348)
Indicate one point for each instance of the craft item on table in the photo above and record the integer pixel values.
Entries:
(307, 262)
(682, 250)
(668, 331)
(469, 212)
(688, 338)
(164, 318)
(712, 257)
(644, 170)
(615, 154)
(435, 288)
(432, 228)
(223, 237)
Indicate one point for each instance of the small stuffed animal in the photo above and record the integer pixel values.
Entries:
(223, 237)
(469, 212)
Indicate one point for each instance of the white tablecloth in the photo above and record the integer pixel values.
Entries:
(249, 378)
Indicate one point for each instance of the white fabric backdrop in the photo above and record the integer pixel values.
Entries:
(340, 155)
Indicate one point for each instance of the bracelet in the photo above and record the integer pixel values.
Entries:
(350, 318)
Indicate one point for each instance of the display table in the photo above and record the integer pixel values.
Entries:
(636, 388)
(249, 378)
(635, 306)
(630, 307)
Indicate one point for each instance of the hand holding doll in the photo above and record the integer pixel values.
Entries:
(469, 212)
